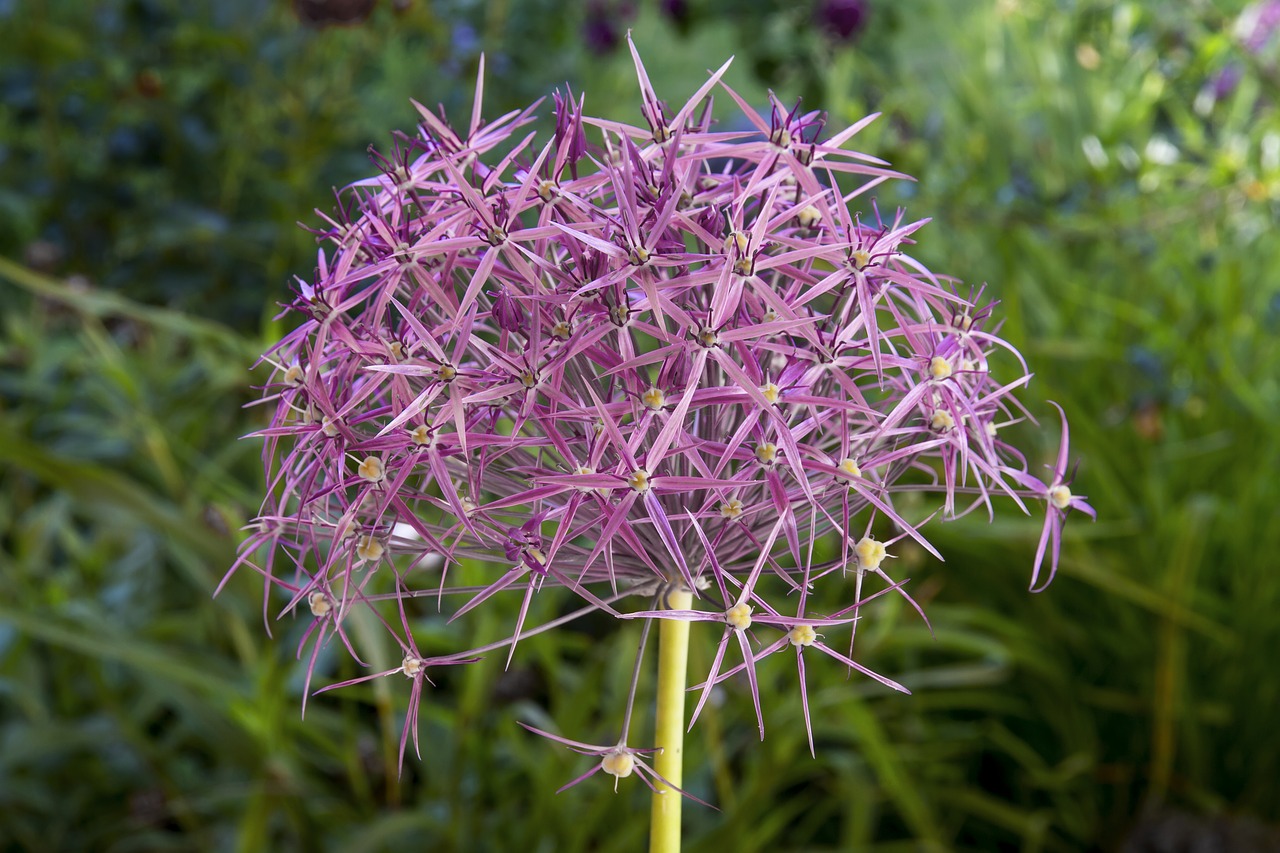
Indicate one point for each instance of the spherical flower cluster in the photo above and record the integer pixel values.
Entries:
(632, 360)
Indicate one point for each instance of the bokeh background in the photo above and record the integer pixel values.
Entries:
(1111, 169)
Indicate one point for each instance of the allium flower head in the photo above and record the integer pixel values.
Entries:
(628, 360)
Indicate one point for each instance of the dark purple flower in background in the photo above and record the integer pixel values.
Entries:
(842, 19)
(605, 22)
(679, 13)
(323, 13)
(631, 360)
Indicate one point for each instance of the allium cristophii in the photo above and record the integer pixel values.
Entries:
(627, 361)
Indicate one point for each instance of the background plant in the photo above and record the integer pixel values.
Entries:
(1141, 288)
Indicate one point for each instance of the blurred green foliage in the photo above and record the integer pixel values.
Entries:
(1085, 158)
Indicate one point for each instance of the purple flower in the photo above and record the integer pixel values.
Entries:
(843, 19)
(1254, 30)
(1058, 502)
(413, 666)
(617, 760)
(605, 19)
(629, 361)
(1257, 23)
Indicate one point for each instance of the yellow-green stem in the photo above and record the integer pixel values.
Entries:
(673, 663)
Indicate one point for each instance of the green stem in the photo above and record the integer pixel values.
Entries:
(673, 660)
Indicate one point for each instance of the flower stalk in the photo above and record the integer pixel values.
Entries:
(673, 665)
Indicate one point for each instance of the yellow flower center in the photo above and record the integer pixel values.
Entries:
(1060, 496)
(546, 190)
(860, 258)
(639, 480)
(371, 469)
(420, 435)
(739, 616)
(802, 635)
(871, 553)
(942, 421)
(767, 453)
(731, 509)
(850, 467)
(618, 763)
(320, 604)
(369, 549)
(411, 666)
(329, 426)
(293, 376)
(446, 372)
(738, 240)
(939, 367)
(771, 392)
(809, 217)
(654, 398)
(640, 256)
(561, 330)
(708, 337)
